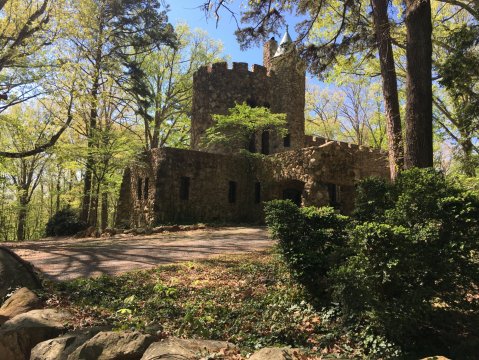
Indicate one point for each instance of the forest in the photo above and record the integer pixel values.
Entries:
(86, 86)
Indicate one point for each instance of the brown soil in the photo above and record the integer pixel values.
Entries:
(70, 258)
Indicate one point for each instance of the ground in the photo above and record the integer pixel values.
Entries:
(70, 258)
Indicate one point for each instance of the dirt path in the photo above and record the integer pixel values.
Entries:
(68, 258)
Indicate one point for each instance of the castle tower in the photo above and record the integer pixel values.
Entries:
(288, 92)
(278, 85)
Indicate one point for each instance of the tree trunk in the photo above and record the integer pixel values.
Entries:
(58, 190)
(22, 215)
(418, 151)
(390, 90)
(104, 210)
(90, 163)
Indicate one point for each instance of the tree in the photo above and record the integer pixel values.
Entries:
(353, 112)
(169, 77)
(111, 38)
(349, 33)
(242, 122)
(419, 150)
(22, 130)
(27, 28)
(390, 90)
(459, 72)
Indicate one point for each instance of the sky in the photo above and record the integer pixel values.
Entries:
(188, 11)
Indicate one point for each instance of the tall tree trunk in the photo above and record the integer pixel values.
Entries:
(58, 190)
(22, 215)
(418, 150)
(90, 163)
(95, 193)
(104, 210)
(390, 90)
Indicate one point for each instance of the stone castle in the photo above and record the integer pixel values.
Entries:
(177, 185)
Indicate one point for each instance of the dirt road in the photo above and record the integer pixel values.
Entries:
(68, 258)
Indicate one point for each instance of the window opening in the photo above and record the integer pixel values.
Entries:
(146, 188)
(257, 193)
(265, 142)
(333, 192)
(139, 188)
(184, 188)
(232, 192)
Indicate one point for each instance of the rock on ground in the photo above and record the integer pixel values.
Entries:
(22, 301)
(59, 348)
(184, 349)
(111, 345)
(20, 334)
(276, 354)
(14, 273)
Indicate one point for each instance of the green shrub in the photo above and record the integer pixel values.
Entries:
(421, 258)
(371, 199)
(64, 222)
(311, 240)
(409, 261)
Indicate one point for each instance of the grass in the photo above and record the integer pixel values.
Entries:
(248, 300)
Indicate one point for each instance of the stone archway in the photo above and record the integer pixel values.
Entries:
(292, 190)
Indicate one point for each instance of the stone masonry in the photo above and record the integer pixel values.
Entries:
(180, 186)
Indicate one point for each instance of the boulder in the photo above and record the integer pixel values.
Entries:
(60, 347)
(20, 334)
(22, 301)
(276, 354)
(110, 345)
(15, 273)
(184, 349)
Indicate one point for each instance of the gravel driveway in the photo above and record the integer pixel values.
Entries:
(69, 258)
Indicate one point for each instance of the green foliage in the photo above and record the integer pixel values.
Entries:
(310, 239)
(249, 300)
(64, 222)
(403, 272)
(371, 199)
(242, 122)
(421, 257)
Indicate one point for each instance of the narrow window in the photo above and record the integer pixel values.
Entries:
(333, 191)
(232, 192)
(139, 188)
(265, 142)
(184, 188)
(257, 193)
(252, 144)
(146, 188)
(287, 140)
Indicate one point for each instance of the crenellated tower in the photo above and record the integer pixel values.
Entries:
(279, 85)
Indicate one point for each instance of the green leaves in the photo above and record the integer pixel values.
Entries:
(242, 122)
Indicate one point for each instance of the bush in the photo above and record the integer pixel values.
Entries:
(311, 240)
(64, 222)
(421, 258)
(371, 199)
(408, 261)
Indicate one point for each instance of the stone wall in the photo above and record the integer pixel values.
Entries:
(279, 86)
(319, 175)
(217, 88)
(331, 167)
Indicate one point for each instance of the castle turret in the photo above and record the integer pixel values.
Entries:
(278, 85)
(288, 93)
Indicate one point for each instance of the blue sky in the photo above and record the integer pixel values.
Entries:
(188, 11)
